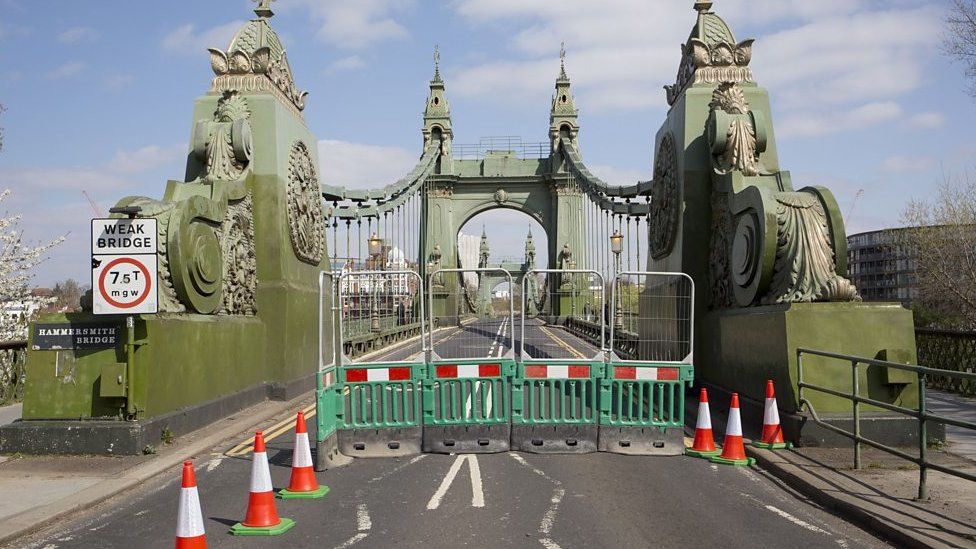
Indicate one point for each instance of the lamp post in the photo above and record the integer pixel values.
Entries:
(375, 245)
(617, 246)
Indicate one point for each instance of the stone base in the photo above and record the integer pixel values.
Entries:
(116, 437)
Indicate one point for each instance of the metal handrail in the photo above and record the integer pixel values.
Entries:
(921, 414)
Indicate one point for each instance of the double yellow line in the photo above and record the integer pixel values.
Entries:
(246, 446)
(562, 343)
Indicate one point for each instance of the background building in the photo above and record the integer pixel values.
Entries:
(882, 265)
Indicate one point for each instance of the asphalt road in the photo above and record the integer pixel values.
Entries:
(497, 500)
(491, 500)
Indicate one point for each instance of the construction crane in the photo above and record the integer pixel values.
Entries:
(95, 209)
(847, 220)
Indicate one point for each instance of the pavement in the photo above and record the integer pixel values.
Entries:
(10, 413)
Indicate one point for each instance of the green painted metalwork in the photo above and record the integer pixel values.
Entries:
(370, 403)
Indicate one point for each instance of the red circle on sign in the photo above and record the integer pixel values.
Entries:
(119, 261)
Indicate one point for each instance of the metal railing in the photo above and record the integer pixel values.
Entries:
(504, 144)
(948, 350)
(921, 414)
(13, 360)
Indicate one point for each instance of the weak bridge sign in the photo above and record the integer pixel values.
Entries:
(124, 277)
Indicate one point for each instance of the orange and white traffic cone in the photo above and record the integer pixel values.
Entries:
(189, 519)
(303, 484)
(262, 517)
(733, 451)
(772, 433)
(704, 445)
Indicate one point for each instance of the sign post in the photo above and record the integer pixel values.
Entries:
(124, 277)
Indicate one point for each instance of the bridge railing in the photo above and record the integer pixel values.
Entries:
(920, 413)
(948, 350)
(13, 361)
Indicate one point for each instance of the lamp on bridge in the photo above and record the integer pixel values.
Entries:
(617, 246)
(375, 247)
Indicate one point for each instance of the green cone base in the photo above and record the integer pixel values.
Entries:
(774, 446)
(703, 455)
(314, 494)
(276, 530)
(734, 462)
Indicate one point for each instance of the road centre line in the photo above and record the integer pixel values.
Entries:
(477, 488)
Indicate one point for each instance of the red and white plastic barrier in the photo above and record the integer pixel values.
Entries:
(467, 371)
(641, 373)
(365, 375)
(557, 371)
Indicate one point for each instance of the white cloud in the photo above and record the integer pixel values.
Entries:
(78, 34)
(186, 40)
(927, 120)
(352, 62)
(361, 166)
(817, 58)
(67, 70)
(360, 24)
(816, 123)
(145, 159)
(908, 164)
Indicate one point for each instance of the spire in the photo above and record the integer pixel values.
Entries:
(264, 9)
(563, 115)
(562, 61)
(437, 64)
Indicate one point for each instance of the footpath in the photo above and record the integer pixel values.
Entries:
(53, 488)
(880, 497)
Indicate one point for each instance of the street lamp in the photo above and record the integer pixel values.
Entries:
(375, 247)
(617, 246)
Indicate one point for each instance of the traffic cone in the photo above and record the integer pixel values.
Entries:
(303, 484)
(704, 445)
(189, 519)
(262, 517)
(772, 433)
(733, 451)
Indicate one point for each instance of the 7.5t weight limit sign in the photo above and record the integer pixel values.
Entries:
(124, 277)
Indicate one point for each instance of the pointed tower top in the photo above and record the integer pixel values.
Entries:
(562, 61)
(264, 9)
(437, 63)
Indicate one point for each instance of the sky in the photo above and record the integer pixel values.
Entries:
(99, 94)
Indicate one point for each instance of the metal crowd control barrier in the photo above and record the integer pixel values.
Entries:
(467, 406)
(642, 395)
(556, 388)
(379, 397)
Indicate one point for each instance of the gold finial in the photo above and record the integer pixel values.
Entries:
(264, 9)
(703, 5)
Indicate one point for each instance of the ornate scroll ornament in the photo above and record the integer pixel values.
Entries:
(256, 62)
(446, 191)
(240, 263)
(224, 145)
(665, 200)
(306, 219)
(804, 269)
(732, 132)
(711, 57)
(718, 262)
